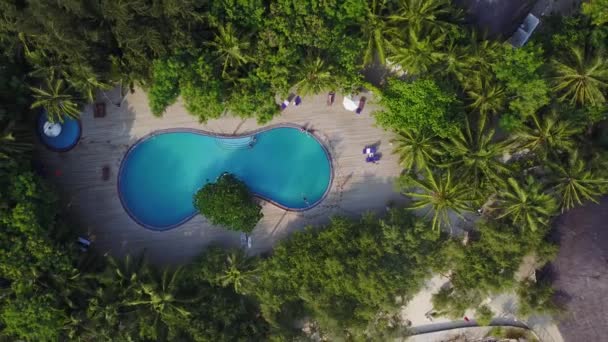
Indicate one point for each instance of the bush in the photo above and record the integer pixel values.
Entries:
(228, 202)
(484, 315)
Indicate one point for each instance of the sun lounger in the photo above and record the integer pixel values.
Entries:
(100, 110)
(298, 100)
(331, 97)
(105, 173)
(361, 105)
(249, 241)
(84, 243)
(285, 104)
(243, 239)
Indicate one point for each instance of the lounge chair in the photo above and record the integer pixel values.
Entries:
(298, 100)
(83, 243)
(105, 173)
(361, 105)
(249, 241)
(285, 104)
(331, 97)
(100, 110)
(243, 239)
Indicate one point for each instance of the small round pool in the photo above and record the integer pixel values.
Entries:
(160, 174)
(60, 136)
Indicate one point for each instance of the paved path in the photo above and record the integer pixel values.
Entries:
(357, 186)
(436, 327)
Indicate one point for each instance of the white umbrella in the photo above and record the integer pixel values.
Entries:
(349, 104)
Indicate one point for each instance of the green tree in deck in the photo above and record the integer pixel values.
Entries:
(581, 78)
(417, 150)
(525, 204)
(421, 106)
(56, 99)
(418, 53)
(575, 181)
(227, 202)
(440, 194)
(487, 98)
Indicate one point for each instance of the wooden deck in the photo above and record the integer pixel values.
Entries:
(357, 186)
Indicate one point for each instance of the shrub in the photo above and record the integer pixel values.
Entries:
(229, 203)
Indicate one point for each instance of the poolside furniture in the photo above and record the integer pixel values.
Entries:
(361, 105)
(298, 100)
(349, 104)
(243, 240)
(285, 104)
(249, 241)
(369, 150)
(83, 243)
(100, 110)
(524, 31)
(105, 173)
(331, 97)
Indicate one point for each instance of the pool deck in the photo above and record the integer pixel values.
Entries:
(357, 186)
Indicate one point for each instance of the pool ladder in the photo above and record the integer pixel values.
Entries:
(236, 143)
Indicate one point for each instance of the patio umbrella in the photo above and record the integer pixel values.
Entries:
(349, 104)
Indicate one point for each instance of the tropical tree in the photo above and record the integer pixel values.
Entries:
(376, 32)
(440, 194)
(581, 78)
(11, 145)
(426, 15)
(476, 156)
(575, 181)
(315, 77)
(416, 150)
(239, 272)
(487, 98)
(549, 134)
(229, 48)
(418, 53)
(56, 99)
(456, 62)
(526, 205)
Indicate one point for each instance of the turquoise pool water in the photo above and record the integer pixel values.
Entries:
(160, 174)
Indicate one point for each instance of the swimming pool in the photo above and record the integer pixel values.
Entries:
(160, 174)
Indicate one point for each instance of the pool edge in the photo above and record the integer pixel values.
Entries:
(226, 136)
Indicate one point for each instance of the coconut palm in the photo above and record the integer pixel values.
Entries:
(417, 54)
(230, 50)
(239, 272)
(426, 15)
(376, 32)
(575, 182)
(440, 194)
(487, 98)
(581, 78)
(56, 99)
(549, 134)
(416, 150)
(526, 205)
(476, 157)
(455, 63)
(315, 77)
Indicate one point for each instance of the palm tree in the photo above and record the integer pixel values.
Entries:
(548, 134)
(56, 100)
(376, 32)
(239, 272)
(314, 77)
(476, 157)
(86, 82)
(426, 15)
(440, 194)
(526, 205)
(581, 78)
(230, 50)
(488, 98)
(417, 150)
(456, 63)
(575, 182)
(417, 55)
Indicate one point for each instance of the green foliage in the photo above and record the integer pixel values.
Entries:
(417, 151)
(35, 317)
(536, 298)
(421, 106)
(227, 202)
(165, 85)
(519, 70)
(484, 315)
(227, 269)
(347, 272)
(525, 204)
(56, 99)
(597, 10)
